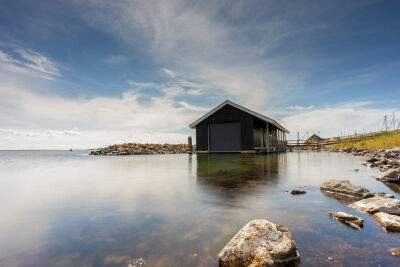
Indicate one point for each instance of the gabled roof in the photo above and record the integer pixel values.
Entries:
(314, 136)
(227, 102)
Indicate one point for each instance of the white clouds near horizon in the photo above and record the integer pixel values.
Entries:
(101, 120)
(337, 120)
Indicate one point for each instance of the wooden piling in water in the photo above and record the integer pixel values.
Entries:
(190, 146)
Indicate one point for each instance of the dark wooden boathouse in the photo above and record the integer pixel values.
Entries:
(232, 128)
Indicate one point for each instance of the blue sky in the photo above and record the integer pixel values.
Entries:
(89, 73)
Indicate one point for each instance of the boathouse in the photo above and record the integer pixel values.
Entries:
(233, 128)
(314, 139)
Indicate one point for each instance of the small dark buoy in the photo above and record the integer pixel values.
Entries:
(70, 149)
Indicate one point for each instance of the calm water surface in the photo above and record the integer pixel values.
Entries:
(70, 209)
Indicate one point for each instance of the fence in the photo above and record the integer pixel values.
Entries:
(339, 139)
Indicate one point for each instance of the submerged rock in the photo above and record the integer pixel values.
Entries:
(295, 192)
(348, 219)
(377, 204)
(390, 176)
(343, 188)
(395, 252)
(135, 263)
(388, 222)
(260, 243)
(383, 195)
(372, 160)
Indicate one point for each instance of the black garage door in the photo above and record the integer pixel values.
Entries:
(224, 137)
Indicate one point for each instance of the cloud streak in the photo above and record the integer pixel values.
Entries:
(28, 62)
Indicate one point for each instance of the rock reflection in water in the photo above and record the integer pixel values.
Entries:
(394, 187)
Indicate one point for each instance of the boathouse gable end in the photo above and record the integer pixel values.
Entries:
(232, 128)
(228, 115)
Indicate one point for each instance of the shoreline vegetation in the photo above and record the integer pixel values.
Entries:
(382, 141)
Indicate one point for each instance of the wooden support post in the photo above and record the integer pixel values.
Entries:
(267, 133)
(190, 146)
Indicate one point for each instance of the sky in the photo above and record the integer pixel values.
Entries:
(89, 73)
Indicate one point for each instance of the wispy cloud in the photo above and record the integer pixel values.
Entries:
(170, 73)
(174, 86)
(115, 60)
(192, 107)
(28, 62)
(37, 62)
(301, 107)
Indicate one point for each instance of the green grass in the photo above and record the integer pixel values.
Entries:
(383, 140)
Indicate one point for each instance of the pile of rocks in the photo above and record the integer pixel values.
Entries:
(384, 207)
(383, 159)
(141, 149)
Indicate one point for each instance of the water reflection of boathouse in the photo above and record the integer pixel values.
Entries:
(237, 171)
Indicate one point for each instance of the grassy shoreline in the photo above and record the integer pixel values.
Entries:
(383, 141)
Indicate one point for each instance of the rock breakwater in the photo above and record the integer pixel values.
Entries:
(141, 149)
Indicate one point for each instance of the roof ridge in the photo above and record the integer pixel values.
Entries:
(254, 113)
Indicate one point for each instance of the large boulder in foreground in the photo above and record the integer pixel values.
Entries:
(377, 204)
(390, 176)
(260, 243)
(344, 189)
(388, 222)
(348, 219)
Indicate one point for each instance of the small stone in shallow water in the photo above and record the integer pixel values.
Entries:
(295, 192)
(383, 195)
(395, 252)
(388, 222)
(372, 160)
(377, 204)
(348, 219)
(390, 176)
(356, 170)
(135, 263)
(344, 189)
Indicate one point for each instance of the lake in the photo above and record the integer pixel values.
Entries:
(62, 208)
